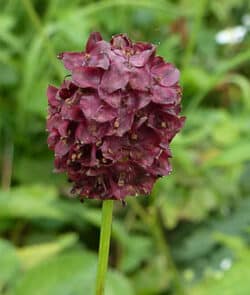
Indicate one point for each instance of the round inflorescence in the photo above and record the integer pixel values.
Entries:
(111, 123)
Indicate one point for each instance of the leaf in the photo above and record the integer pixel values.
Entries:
(67, 274)
(30, 202)
(31, 256)
(137, 249)
(9, 263)
(153, 278)
(233, 155)
(232, 281)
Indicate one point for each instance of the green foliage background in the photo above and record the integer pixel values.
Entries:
(191, 236)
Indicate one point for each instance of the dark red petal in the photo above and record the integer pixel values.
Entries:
(115, 148)
(141, 58)
(120, 41)
(105, 114)
(63, 128)
(89, 132)
(71, 112)
(113, 99)
(139, 79)
(53, 138)
(51, 94)
(161, 165)
(157, 61)
(164, 95)
(61, 148)
(86, 77)
(166, 74)
(115, 78)
(60, 164)
(90, 105)
(72, 60)
(142, 99)
(93, 39)
(100, 60)
(83, 135)
(67, 89)
(53, 122)
(123, 123)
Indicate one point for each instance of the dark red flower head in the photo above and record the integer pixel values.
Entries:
(110, 125)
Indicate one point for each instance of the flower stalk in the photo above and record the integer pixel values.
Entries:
(107, 209)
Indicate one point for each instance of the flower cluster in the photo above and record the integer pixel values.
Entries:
(111, 123)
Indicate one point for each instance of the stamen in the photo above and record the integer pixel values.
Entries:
(116, 124)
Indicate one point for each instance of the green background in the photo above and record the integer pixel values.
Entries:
(191, 236)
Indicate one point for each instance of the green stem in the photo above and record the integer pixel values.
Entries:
(107, 209)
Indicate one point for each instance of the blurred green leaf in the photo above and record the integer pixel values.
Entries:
(153, 278)
(137, 250)
(29, 255)
(9, 263)
(29, 202)
(232, 281)
(72, 273)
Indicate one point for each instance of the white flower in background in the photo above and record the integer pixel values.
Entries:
(232, 35)
(226, 264)
(236, 34)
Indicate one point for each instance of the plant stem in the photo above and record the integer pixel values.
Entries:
(103, 255)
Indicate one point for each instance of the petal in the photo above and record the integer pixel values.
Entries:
(63, 128)
(60, 164)
(86, 77)
(72, 60)
(90, 105)
(100, 60)
(113, 99)
(140, 59)
(161, 166)
(93, 39)
(139, 79)
(91, 131)
(53, 138)
(166, 74)
(93, 108)
(120, 41)
(164, 95)
(115, 148)
(67, 89)
(62, 148)
(105, 114)
(71, 112)
(51, 94)
(83, 135)
(53, 122)
(157, 61)
(123, 123)
(142, 99)
(116, 77)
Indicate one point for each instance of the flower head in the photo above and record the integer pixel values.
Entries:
(111, 124)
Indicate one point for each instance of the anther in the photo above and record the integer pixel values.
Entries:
(116, 124)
